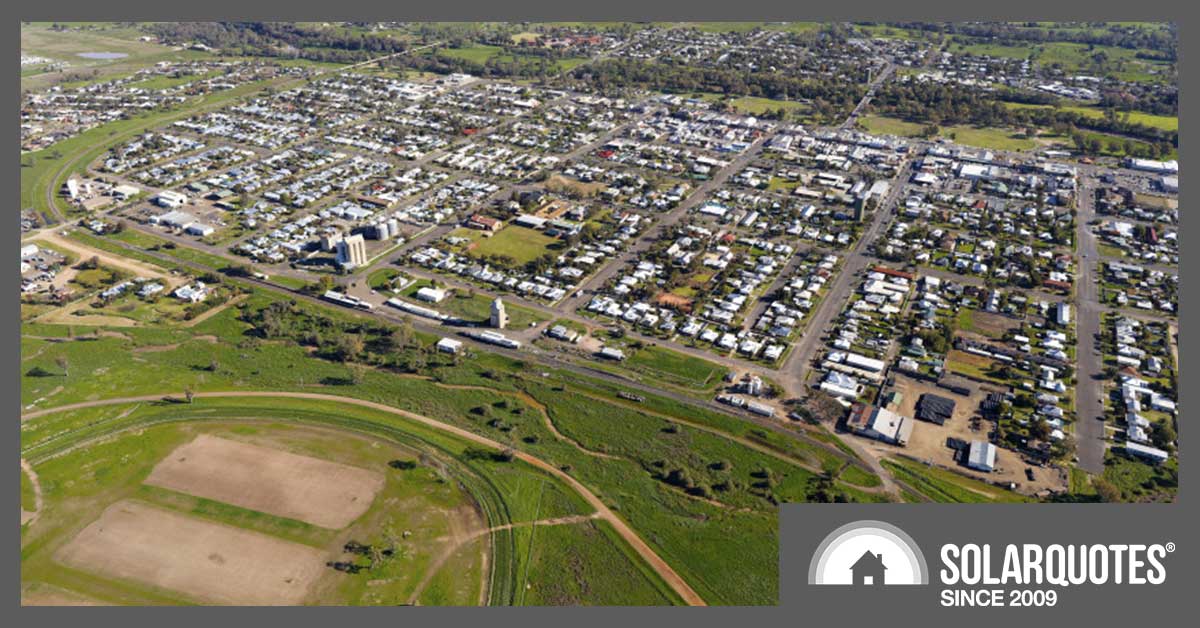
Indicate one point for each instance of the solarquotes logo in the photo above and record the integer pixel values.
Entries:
(868, 553)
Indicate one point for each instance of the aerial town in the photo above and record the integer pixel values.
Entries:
(558, 314)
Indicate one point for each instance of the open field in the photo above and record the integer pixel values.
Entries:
(988, 137)
(1166, 123)
(67, 46)
(883, 125)
(523, 495)
(669, 367)
(205, 561)
(1074, 57)
(322, 493)
(980, 137)
(518, 243)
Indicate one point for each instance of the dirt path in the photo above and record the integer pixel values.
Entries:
(774, 453)
(529, 400)
(106, 258)
(214, 311)
(456, 541)
(26, 516)
(660, 566)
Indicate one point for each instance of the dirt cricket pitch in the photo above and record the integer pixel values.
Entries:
(208, 562)
(276, 482)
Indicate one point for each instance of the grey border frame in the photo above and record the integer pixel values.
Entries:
(547, 10)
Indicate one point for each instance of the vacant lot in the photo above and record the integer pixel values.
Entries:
(986, 324)
(276, 482)
(207, 561)
(521, 244)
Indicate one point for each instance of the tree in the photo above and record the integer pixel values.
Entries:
(357, 372)
(346, 347)
(1039, 430)
(62, 363)
(1107, 491)
(189, 394)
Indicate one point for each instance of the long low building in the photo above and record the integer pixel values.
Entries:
(863, 362)
(493, 338)
(415, 309)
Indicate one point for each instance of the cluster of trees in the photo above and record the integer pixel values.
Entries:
(829, 99)
(355, 343)
(281, 39)
(946, 104)
(533, 63)
(1133, 37)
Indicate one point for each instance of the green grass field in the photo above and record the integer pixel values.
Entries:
(38, 39)
(883, 125)
(1074, 57)
(521, 244)
(988, 137)
(1166, 123)
(508, 492)
(675, 368)
(689, 532)
(945, 486)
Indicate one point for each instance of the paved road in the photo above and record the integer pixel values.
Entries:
(855, 261)
(1089, 431)
(866, 99)
(660, 566)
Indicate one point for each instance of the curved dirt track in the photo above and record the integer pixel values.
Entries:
(26, 516)
(660, 566)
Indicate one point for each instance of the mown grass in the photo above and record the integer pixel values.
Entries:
(520, 244)
(883, 125)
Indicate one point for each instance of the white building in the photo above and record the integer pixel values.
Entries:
(170, 199)
(352, 251)
(1062, 314)
(982, 456)
(430, 295)
(449, 345)
(499, 318)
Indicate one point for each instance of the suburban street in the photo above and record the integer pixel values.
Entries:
(1089, 432)
(796, 366)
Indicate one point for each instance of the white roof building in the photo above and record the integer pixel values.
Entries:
(981, 456)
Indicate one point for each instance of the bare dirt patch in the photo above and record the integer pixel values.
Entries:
(988, 325)
(45, 595)
(273, 481)
(928, 441)
(207, 561)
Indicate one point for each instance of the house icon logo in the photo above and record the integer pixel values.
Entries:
(868, 553)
